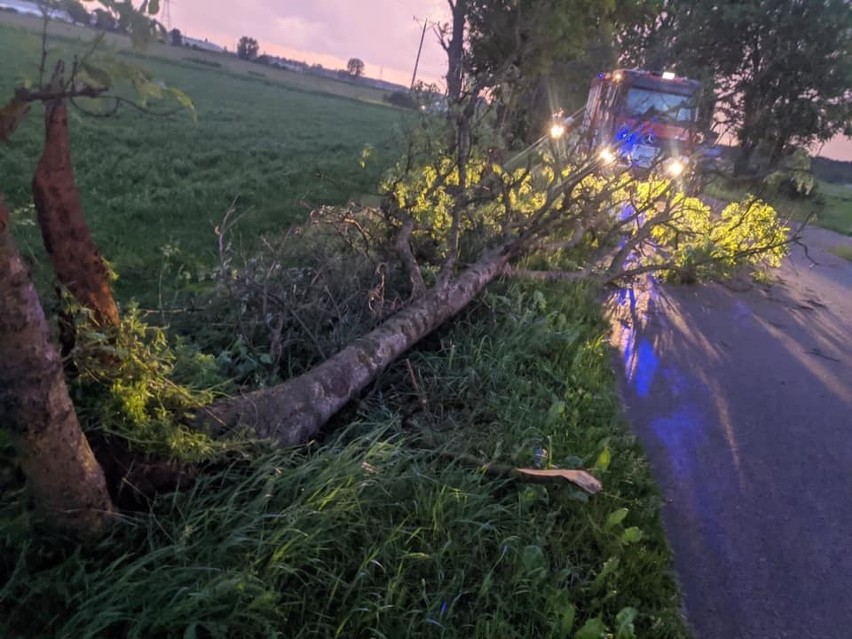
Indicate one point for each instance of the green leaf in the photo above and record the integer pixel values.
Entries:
(11, 117)
(610, 566)
(566, 619)
(148, 90)
(624, 623)
(604, 459)
(631, 535)
(533, 561)
(184, 100)
(140, 29)
(153, 7)
(615, 518)
(592, 629)
(557, 410)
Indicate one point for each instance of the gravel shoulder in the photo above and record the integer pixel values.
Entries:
(743, 402)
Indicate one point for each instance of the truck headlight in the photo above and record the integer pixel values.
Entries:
(675, 167)
(557, 130)
(606, 156)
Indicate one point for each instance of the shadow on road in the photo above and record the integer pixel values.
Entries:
(743, 401)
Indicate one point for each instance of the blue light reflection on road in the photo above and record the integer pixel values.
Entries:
(646, 368)
(683, 431)
(640, 361)
(678, 433)
(683, 427)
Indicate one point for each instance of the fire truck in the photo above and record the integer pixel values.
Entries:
(641, 119)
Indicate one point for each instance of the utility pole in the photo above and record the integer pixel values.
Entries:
(419, 49)
(167, 14)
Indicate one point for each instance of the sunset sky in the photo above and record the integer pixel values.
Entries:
(382, 33)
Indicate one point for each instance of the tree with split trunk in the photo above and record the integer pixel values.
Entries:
(64, 478)
(77, 262)
(461, 210)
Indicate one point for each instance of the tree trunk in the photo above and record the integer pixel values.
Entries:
(65, 479)
(455, 52)
(293, 412)
(77, 262)
(777, 153)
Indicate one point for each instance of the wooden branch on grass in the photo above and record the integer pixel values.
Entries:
(580, 478)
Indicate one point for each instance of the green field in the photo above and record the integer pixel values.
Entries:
(835, 213)
(151, 182)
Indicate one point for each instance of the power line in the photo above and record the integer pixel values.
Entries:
(420, 48)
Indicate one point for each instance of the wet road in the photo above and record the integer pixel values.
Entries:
(743, 402)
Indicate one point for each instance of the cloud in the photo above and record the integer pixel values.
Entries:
(299, 32)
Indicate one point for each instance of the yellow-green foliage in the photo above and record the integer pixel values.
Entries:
(668, 228)
(702, 244)
(750, 231)
(430, 194)
(127, 384)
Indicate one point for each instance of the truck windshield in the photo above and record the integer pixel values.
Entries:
(645, 104)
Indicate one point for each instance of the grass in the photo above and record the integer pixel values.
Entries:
(830, 207)
(836, 213)
(374, 533)
(842, 251)
(152, 184)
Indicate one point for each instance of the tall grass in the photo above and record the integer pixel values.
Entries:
(377, 531)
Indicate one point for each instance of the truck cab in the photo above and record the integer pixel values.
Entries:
(642, 117)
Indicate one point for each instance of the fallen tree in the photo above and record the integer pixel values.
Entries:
(461, 209)
(603, 227)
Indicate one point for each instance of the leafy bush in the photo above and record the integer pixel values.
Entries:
(402, 99)
(300, 298)
(131, 383)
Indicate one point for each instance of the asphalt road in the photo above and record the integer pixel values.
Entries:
(743, 402)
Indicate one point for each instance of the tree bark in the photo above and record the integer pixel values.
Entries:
(77, 262)
(455, 51)
(293, 412)
(65, 479)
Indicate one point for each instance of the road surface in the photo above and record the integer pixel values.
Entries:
(743, 402)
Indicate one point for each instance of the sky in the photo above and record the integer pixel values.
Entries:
(382, 33)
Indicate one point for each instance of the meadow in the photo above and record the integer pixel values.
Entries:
(381, 528)
(153, 184)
